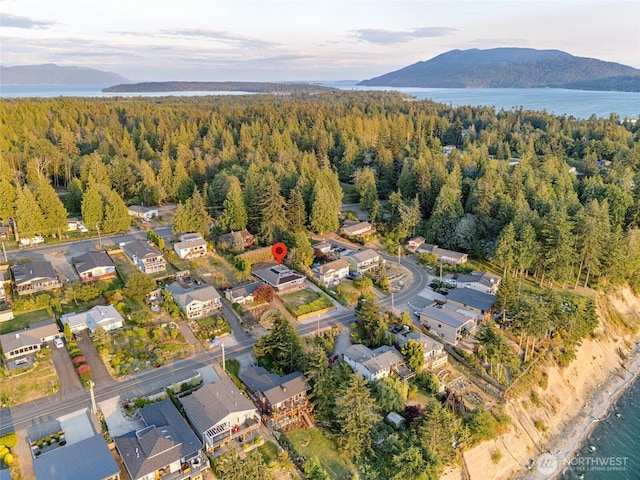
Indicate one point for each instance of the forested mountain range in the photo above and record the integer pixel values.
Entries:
(512, 68)
(251, 87)
(52, 74)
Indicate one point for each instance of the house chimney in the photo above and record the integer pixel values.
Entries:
(284, 389)
(17, 335)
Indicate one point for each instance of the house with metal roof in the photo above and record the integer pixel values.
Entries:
(89, 459)
(95, 265)
(472, 300)
(147, 258)
(34, 276)
(282, 400)
(373, 364)
(219, 413)
(195, 301)
(448, 322)
(364, 260)
(29, 341)
(281, 278)
(105, 316)
(485, 282)
(165, 448)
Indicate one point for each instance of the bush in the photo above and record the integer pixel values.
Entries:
(79, 359)
(8, 459)
(83, 369)
(496, 456)
(10, 440)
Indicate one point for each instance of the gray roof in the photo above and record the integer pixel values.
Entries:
(356, 228)
(335, 265)
(365, 255)
(31, 271)
(244, 290)
(31, 336)
(485, 278)
(277, 275)
(211, 403)
(276, 388)
(98, 316)
(166, 439)
(89, 459)
(446, 314)
(91, 260)
(141, 249)
(426, 341)
(374, 360)
(473, 298)
(5, 474)
(185, 295)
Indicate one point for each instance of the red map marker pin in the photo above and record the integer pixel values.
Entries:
(279, 251)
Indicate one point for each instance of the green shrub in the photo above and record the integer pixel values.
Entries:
(10, 440)
(8, 459)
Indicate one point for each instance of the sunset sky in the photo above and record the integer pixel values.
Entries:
(271, 40)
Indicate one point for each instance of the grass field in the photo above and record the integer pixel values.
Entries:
(299, 298)
(124, 266)
(23, 320)
(317, 444)
(39, 382)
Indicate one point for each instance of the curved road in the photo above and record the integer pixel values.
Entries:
(64, 402)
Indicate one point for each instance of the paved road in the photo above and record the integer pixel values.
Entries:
(67, 401)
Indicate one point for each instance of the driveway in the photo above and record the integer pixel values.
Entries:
(98, 370)
(69, 381)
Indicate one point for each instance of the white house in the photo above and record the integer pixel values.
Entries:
(190, 246)
(29, 341)
(144, 213)
(373, 364)
(364, 260)
(485, 282)
(105, 316)
(449, 323)
(333, 271)
(444, 255)
(195, 302)
(357, 229)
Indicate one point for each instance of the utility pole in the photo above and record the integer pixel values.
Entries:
(94, 408)
(5, 253)
(399, 250)
(99, 239)
(318, 323)
(223, 363)
(440, 270)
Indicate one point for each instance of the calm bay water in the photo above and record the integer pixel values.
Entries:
(576, 103)
(616, 438)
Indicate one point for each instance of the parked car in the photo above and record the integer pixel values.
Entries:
(451, 282)
(58, 343)
(434, 285)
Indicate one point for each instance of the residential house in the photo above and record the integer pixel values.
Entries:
(165, 448)
(333, 271)
(242, 294)
(89, 459)
(95, 265)
(282, 400)
(281, 278)
(415, 243)
(73, 223)
(448, 149)
(105, 316)
(247, 238)
(6, 315)
(143, 213)
(5, 277)
(373, 364)
(220, 413)
(478, 303)
(322, 249)
(145, 257)
(195, 301)
(445, 256)
(485, 282)
(34, 276)
(29, 341)
(4, 232)
(447, 322)
(434, 354)
(364, 260)
(190, 246)
(358, 229)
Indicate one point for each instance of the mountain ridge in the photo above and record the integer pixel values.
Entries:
(52, 74)
(512, 68)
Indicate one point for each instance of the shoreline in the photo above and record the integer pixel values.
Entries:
(564, 446)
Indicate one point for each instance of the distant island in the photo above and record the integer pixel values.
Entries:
(52, 74)
(250, 87)
(512, 68)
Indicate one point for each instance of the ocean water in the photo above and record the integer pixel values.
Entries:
(616, 441)
(576, 103)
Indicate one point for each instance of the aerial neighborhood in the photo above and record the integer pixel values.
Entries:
(303, 285)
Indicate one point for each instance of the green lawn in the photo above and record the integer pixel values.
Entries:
(23, 320)
(320, 445)
(124, 266)
(269, 452)
(299, 298)
(350, 194)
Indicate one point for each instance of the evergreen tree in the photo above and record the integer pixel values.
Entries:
(192, 216)
(55, 215)
(372, 322)
(438, 431)
(504, 252)
(313, 470)
(73, 199)
(281, 348)
(302, 252)
(413, 352)
(295, 211)
(7, 200)
(92, 208)
(28, 215)
(116, 215)
(390, 394)
(323, 218)
(273, 222)
(354, 417)
(234, 214)
(365, 183)
(409, 463)
(591, 230)
(557, 246)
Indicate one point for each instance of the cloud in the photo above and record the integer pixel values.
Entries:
(389, 37)
(16, 21)
(220, 35)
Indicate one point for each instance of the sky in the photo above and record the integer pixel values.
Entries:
(300, 40)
